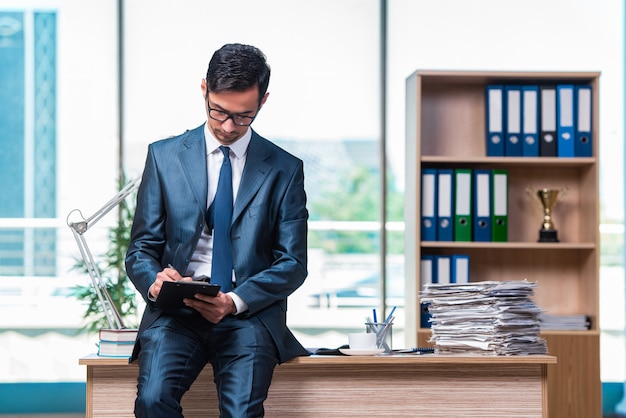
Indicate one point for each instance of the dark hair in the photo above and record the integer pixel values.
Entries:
(238, 67)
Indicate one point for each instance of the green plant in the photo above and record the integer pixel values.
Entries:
(113, 273)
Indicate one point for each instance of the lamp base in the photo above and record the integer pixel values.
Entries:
(548, 235)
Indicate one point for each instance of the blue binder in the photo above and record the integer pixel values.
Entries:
(443, 269)
(495, 120)
(460, 268)
(482, 205)
(425, 315)
(513, 124)
(530, 121)
(584, 143)
(428, 270)
(429, 205)
(445, 190)
(565, 120)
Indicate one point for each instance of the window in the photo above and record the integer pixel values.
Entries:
(317, 68)
(28, 140)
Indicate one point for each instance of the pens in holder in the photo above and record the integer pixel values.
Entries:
(383, 332)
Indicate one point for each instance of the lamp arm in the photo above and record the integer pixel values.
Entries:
(113, 316)
(78, 230)
(106, 208)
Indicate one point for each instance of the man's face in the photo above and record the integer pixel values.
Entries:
(242, 106)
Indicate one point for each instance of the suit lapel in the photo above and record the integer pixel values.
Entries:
(254, 173)
(193, 160)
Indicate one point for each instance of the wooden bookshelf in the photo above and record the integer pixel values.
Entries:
(445, 128)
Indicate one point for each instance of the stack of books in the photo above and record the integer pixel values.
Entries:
(484, 318)
(117, 342)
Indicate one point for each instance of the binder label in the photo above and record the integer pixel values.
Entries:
(463, 203)
(482, 200)
(548, 110)
(428, 202)
(495, 112)
(584, 113)
(500, 194)
(566, 114)
(530, 112)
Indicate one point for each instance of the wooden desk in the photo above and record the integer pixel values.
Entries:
(340, 386)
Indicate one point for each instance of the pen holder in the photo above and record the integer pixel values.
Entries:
(384, 334)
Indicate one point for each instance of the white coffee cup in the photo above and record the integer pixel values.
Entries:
(362, 341)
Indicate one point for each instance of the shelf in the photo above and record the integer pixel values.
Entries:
(510, 161)
(452, 78)
(591, 332)
(559, 246)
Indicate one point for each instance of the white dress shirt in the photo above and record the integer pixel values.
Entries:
(201, 258)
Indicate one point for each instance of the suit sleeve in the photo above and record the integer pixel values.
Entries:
(143, 259)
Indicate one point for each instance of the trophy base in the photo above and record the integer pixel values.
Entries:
(548, 235)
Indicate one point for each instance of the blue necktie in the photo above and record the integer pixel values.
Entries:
(222, 265)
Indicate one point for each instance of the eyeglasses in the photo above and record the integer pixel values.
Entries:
(221, 116)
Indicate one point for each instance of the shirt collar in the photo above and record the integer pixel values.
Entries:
(238, 148)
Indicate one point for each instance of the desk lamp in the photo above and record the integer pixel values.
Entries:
(79, 229)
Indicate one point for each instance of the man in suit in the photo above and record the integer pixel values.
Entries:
(176, 236)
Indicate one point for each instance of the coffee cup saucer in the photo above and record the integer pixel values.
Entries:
(361, 352)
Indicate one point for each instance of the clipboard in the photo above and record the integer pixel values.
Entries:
(173, 293)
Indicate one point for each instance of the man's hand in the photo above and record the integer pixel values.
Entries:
(169, 274)
(212, 308)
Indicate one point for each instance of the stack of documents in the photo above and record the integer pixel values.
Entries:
(564, 322)
(485, 318)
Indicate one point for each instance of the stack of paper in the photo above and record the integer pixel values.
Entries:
(487, 318)
(564, 322)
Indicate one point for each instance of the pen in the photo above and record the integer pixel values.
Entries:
(416, 350)
(370, 323)
(189, 273)
(383, 330)
(374, 312)
(390, 314)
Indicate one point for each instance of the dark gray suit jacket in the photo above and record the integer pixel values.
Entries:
(268, 231)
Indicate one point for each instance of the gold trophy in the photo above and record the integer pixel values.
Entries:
(548, 199)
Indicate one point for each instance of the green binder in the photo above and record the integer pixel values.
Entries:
(462, 204)
(499, 206)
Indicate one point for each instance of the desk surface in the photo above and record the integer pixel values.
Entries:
(94, 360)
